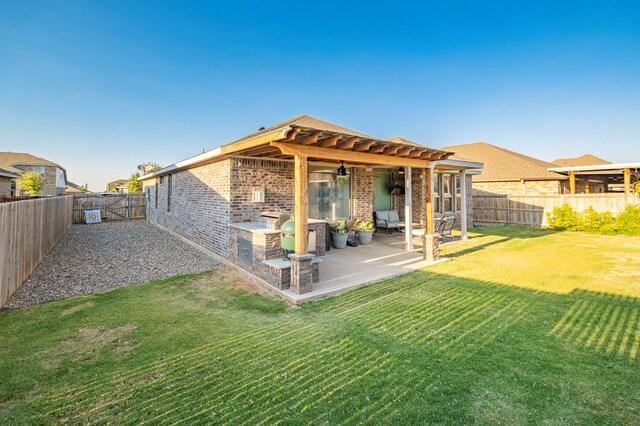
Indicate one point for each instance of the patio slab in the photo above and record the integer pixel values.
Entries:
(352, 267)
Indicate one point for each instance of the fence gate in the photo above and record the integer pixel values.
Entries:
(111, 206)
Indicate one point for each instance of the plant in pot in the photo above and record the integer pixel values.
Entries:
(339, 234)
(365, 230)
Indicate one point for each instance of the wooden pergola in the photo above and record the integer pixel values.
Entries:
(304, 144)
(625, 173)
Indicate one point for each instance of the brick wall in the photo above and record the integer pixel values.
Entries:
(529, 187)
(276, 177)
(5, 186)
(49, 181)
(362, 193)
(200, 205)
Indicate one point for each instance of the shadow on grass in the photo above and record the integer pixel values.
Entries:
(393, 342)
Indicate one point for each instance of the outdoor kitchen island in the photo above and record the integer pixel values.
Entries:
(255, 247)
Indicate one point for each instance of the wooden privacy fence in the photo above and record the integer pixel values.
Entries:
(531, 210)
(111, 206)
(28, 231)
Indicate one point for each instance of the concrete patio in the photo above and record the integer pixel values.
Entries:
(352, 267)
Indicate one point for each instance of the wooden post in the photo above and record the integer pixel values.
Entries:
(429, 246)
(428, 200)
(408, 219)
(301, 178)
(572, 182)
(587, 188)
(627, 181)
(463, 201)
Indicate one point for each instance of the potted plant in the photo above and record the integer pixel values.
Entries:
(365, 230)
(339, 234)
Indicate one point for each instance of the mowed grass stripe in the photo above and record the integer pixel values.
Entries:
(340, 356)
(458, 319)
(233, 390)
(432, 316)
(175, 392)
(314, 387)
(404, 321)
(150, 367)
(177, 362)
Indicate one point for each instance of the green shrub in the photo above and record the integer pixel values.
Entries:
(565, 218)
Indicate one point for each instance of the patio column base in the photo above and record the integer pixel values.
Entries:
(302, 275)
(430, 248)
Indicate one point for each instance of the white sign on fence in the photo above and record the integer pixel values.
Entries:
(92, 216)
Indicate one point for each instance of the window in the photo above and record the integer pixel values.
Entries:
(437, 189)
(329, 195)
(458, 205)
(38, 169)
(169, 179)
(447, 193)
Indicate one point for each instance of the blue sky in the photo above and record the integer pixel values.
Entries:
(100, 87)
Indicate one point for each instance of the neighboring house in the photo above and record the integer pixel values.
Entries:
(218, 199)
(6, 179)
(121, 186)
(73, 188)
(18, 162)
(583, 160)
(512, 173)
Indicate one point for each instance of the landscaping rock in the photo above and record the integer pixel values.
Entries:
(108, 255)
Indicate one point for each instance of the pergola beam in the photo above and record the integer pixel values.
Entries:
(348, 143)
(329, 142)
(309, 139)
(348, 156)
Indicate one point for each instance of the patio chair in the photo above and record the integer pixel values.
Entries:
(446, 228)
(389, 220)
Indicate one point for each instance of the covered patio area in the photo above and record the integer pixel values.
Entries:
(343, 270)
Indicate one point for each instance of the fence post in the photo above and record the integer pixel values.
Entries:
(508, 210)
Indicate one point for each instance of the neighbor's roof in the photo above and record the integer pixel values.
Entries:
(319, 140)
(118, 181)
(503, 165)
(583, 160)
(7, 173)
(10, 159)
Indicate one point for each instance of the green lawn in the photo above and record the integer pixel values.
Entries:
(522, 326)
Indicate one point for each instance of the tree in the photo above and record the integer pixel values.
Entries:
(135, 185)
(84, 188)
(32, 183)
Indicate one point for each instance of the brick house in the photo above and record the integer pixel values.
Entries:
(6, 179)
(512, 173)
(17, 162)
(216, 199)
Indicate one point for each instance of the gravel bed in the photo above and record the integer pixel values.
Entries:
(104, 256)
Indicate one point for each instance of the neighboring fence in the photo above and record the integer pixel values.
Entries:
(28, 231)
(111, 206)
(531, 210)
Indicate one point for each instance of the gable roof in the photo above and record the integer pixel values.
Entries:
(9, 174)
(502, 164)
(317, 140)
(583, 160)
(10, 159)
(304, 121)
